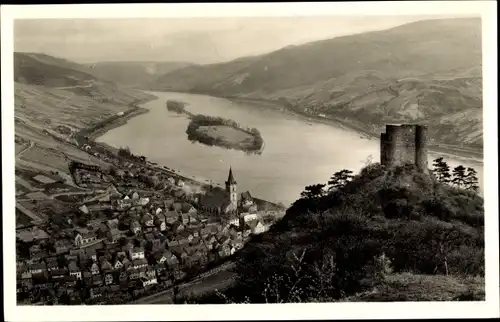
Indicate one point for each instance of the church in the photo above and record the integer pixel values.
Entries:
(225, 201)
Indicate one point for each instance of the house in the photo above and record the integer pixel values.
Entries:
(160, 268)
(83, 239)
(186, 235)
(62, 246)
(184, 218)
(97, 280)
(160, 222)
(135, 227)
(134, 274)
(256, 227)
(223, 240)
(123, 276)
(177, 227)
(173, 243)
(114, 235)
(94, 269)
(87, 278)
(112, 224)
(246, 199)
(138, 263)
(37, 268)
(172, 262)
(91, 253)
(106, 266)
(171, 216)
(108, 279)
(143, 201)
(163, 257)
(224, 251)
(188, 208)
(234, 221)
(118, 264)
(95, 292)
(148, 220)
(51, 264)
(126, 263)
(150, 273)
(136, 253)
(248, 216)
(177, 207)
(74, 270)
(148, 281)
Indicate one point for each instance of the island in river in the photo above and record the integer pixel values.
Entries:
(225, 133)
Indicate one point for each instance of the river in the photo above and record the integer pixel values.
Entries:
(297, 152)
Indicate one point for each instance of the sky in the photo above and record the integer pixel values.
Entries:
(195, 40)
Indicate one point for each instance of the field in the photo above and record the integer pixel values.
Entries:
(226, 134)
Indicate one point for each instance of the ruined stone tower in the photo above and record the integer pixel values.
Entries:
(403, 144)
(231, 190)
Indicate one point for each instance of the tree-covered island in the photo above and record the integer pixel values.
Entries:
(176, 106)
(224, 133)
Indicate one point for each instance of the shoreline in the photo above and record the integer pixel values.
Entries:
(467, 153)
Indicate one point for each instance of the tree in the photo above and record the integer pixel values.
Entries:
(340, 179)
(441, 170)
(313, 191)
(471, 181)
(459, 176)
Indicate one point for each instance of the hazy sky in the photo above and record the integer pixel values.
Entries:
(198, 40)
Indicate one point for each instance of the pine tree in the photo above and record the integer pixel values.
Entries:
(441, 170)
(471, 181)
(340, 179)
(313, 191)
(459, 176)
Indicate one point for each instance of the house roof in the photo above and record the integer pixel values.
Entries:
(139, 261)
(73, 267)
(246, 195)
(113, 223)
(137, 250)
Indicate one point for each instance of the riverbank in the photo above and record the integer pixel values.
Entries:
(446, 149)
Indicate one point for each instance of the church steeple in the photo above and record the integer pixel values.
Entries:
(231, 189)
(230, 178)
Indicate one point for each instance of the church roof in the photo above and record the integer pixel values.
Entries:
(230, 178)
(214, 199)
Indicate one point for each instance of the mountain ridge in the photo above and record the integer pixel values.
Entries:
(426, 71)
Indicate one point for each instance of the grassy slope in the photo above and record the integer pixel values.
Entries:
(427, 71)
(401, 213)
(42, 109)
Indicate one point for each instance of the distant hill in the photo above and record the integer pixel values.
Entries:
(54, 99)
(133, 73)
(57, 73)
(427, 71)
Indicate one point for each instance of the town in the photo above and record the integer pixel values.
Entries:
(128, 231)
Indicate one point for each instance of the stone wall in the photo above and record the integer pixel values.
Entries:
(404, 144)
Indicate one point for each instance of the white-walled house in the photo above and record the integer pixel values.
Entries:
(136, 253)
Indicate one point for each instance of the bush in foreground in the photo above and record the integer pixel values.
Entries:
(350, 240)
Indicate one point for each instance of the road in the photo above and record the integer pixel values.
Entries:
(218, 279)
(28, 212)
(76, 86)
